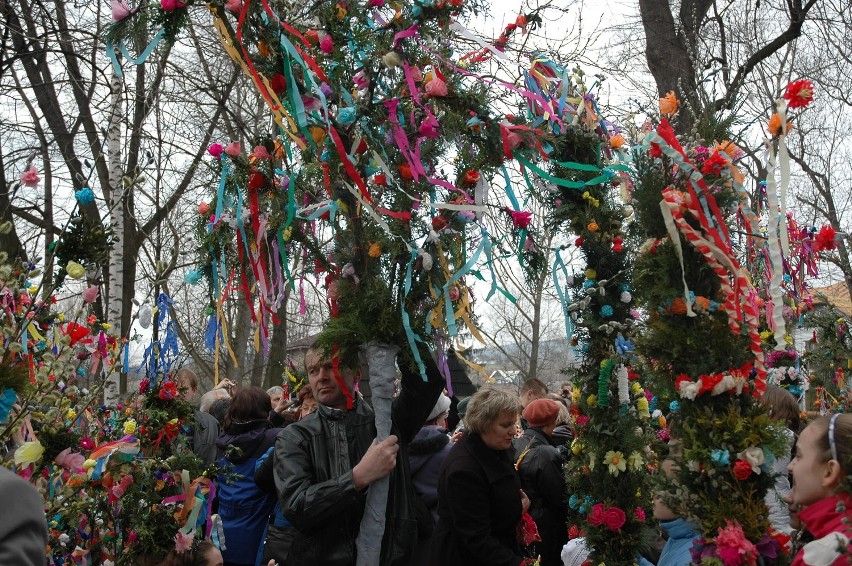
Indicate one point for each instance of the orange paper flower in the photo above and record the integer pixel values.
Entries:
(616, 141)
(669, 104)
(375, 250)
(775, 125)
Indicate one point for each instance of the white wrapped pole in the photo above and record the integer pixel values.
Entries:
(380, 370)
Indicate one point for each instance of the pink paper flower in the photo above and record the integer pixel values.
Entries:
(596, 517)
(234, 6)
(260, 152)
(326, 44)
(216, 150)
(171, 5)
(233, 149)
(30, 177)
(120, 10)
(430, 127)
(436, 87)
(733, 547)
(90, 295)
(416, 74)
(183, 541)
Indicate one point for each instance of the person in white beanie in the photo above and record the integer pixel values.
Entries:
(426, 453)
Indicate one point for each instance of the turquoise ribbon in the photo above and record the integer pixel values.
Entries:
(406, 320)
(559, 265)
(110, 51)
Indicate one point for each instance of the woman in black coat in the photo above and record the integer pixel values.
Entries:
(480, 501)
(539, 466)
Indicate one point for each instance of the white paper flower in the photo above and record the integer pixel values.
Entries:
(754, 456)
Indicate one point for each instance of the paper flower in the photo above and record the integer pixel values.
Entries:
(520, 219)
(635, 461)
(733, 547)
(260, 152)
(28, 453)
(375, 250)
(216, 150)
(171, 5)
(720, 457)
(84, 196)
(30, 177)
(471, 177)
(90, 295)
(392, 59)
(774, 126)
(120, 10)
(825, 239)
(799, 94)
(233, 149)
(616, 462)
(754, 456)
(614, 518)
(234, 6)
(326, 44)
(616, 141)
(75, 270)
(183, 541)
(436, 87)
(742, 470)
(669, 104)
(714, 165)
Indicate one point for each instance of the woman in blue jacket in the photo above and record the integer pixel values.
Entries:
(243, 506)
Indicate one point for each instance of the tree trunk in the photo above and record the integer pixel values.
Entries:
(115, 271)
(277, 360)
(668, 54)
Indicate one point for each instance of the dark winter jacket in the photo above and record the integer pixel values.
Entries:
(479, 507)
(426, 453)
(243, 506)
(314, 458)
(539, 466)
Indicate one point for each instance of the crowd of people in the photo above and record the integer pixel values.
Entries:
(295, 472)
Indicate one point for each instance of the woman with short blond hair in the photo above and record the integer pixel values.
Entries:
(479, 494)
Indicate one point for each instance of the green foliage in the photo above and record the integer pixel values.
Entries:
(84, 242)
(705, 489)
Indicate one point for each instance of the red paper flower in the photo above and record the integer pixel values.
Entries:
(471, 177)
(799, 94)
(714, 165)
(614, 518)
(742, 470)
(169, 390)
(824, 239)
(598, 514)
(655, 150)
(380, 180)
(278, 83)
(520, 219)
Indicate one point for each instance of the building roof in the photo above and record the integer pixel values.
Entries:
(836, 295)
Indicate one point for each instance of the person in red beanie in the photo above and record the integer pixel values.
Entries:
(539, 466)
